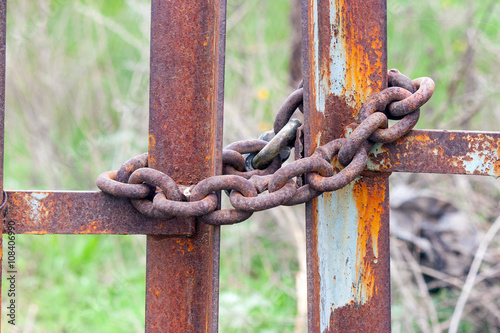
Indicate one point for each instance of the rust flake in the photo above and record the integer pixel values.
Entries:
(368, 198)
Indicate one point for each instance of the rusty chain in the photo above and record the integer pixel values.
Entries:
(251, 167)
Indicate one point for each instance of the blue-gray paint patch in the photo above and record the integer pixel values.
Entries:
(39, 195)
(337, 240)
(338, 63)
(320, 95)
(37, 211)
(480, 158)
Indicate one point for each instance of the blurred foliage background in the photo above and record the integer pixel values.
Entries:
(77, 104)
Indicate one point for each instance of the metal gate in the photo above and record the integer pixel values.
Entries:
(345, 60)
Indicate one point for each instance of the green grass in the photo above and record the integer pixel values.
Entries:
(80, 283)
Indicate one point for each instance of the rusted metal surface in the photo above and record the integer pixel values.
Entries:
(107, 183)
(456, 152)
(359, 136)
(155, 194)
(185, 142)
(347, 231)
(218, 183)
(406, 95)
(234, 159)
(342, 178)
(425, 89)
(37, 212)
(293, 101)
(431, 151)
(405, 106)
(250, 146)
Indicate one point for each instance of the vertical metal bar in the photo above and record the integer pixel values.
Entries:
(347, 231)
(3, 42)
(185, 141)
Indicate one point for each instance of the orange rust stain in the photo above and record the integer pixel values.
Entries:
(438, 151)
(181, 243)
(152, 141)
(496, 169)
(420, 138)
(151, 147)
(360, 66)
(496, 163)
(190, 245)
(91, 228)
(40, 232)
(16, 200)
(367, 200)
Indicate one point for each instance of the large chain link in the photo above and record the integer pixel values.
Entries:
(252, 167)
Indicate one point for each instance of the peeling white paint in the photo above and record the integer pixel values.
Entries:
(338, 63)
(37, 210)
(334, 82)
(341, 264)
(337, 240)
(375, 167)
(39, 195)
(320, 96)
(481, 157)
(376, 150)
(475, 161)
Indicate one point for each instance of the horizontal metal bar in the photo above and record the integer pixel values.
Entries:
(425, 151)
(84, 213)
(433, 151)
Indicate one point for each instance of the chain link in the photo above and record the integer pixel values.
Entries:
(155, 194)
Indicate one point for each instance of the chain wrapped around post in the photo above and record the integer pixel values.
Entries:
(251, 167)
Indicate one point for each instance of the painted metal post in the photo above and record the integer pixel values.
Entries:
(185, 142)
(348, 230)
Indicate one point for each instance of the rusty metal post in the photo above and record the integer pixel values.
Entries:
(185, 141)
(348, 230)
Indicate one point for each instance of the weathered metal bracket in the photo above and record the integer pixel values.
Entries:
(430, 151)
(421, 151)
(85, 213)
